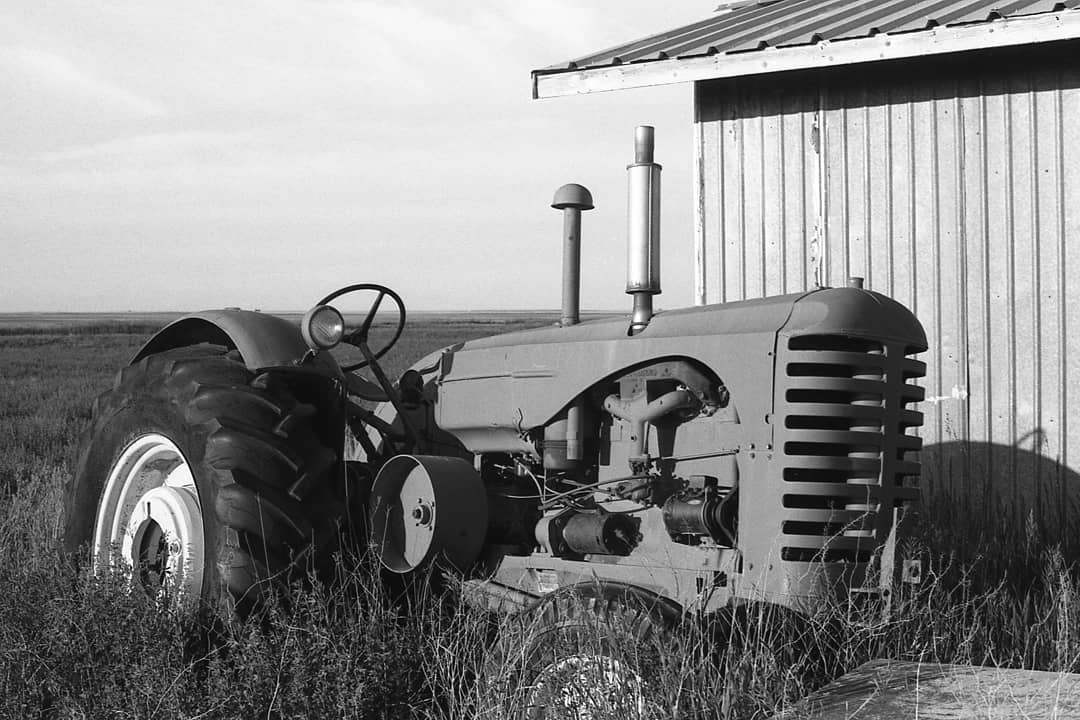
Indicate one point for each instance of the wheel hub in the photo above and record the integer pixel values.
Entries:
(150, 521)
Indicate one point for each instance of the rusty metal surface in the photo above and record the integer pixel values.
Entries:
(787, 23)
(954, 189)
(892, 690)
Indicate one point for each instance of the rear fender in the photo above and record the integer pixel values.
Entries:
(265, 341)
(262, 340)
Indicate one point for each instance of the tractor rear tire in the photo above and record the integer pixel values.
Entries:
(585, 652)
(184, 475)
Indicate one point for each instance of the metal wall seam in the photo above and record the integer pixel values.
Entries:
(781, 170)
(740, 245)
(1062, 355)
(698, 163)
(1010, 284)
(806, 219)
(960, 249)
(987, 366)
(1036, 283)
(868, 202)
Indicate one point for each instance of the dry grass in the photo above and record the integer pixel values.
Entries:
(76, 646)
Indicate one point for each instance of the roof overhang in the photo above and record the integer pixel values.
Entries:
(1000, 33)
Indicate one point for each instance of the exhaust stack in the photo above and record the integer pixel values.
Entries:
(572, 199)
(643, 229)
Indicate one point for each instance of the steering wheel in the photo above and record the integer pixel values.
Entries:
(358, 338)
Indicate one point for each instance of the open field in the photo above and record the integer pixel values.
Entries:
(73, 646)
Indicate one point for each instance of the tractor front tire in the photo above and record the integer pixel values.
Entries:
(183, 480)
(588, 651)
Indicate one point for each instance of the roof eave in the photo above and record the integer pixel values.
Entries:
(1026, 30)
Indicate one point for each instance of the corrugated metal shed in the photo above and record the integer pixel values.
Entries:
(932, 147)
(766, 37)
(954, 189)
(785, 23)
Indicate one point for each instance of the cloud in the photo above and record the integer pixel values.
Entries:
(28, 70)
(396, 139)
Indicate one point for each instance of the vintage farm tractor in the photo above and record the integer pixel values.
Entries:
(683, 462)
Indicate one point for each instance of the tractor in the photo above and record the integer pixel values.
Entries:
(682, 462)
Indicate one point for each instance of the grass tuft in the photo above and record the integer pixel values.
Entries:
(82, 646)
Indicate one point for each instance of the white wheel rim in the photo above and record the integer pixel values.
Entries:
(587, 687)
(149, 520)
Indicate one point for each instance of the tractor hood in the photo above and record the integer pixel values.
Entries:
(855, 312)
(748, 316)
(490, 390)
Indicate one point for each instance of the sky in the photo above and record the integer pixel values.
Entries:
(165, 156)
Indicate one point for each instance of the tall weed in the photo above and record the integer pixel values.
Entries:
(77, 645)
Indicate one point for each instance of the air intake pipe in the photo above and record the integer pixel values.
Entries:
(572, 199)
(643, 229)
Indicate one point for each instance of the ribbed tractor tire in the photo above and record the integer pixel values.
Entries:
(184, 474)
(588, 651)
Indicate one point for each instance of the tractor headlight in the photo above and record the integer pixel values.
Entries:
(322, 327)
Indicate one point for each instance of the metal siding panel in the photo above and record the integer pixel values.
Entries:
(731, 232)
(834, 189)
(754, 158)
(878, 181)
(758, 186)
(976, 305)
(717, 290)
(902, 162)
(948, 237)
(816, 176)
(773, 188)
(798, 215)
(948, 293)
(1026, 390)
(999, 199)
(1069, 223)
(1048, 441)
(925, 255)
(699, 195)
(856, 166)
(710, 220)
(734, 207)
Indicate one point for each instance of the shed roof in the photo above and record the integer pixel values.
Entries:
(762, 36)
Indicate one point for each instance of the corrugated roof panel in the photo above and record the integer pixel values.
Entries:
(786, 23)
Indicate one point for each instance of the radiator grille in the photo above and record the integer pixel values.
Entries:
(844, 442)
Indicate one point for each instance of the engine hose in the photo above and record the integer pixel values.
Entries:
(552, 499)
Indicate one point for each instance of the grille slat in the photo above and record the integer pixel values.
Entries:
(849, 437)
(855, 412)
(819, 542)
(836, 385)
(838, 464)
(843, 492)
(840, 516)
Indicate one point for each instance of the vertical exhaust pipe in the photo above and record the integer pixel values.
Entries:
(572, 199)
(643, 229)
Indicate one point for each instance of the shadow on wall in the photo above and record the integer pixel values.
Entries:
(1000, 496)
